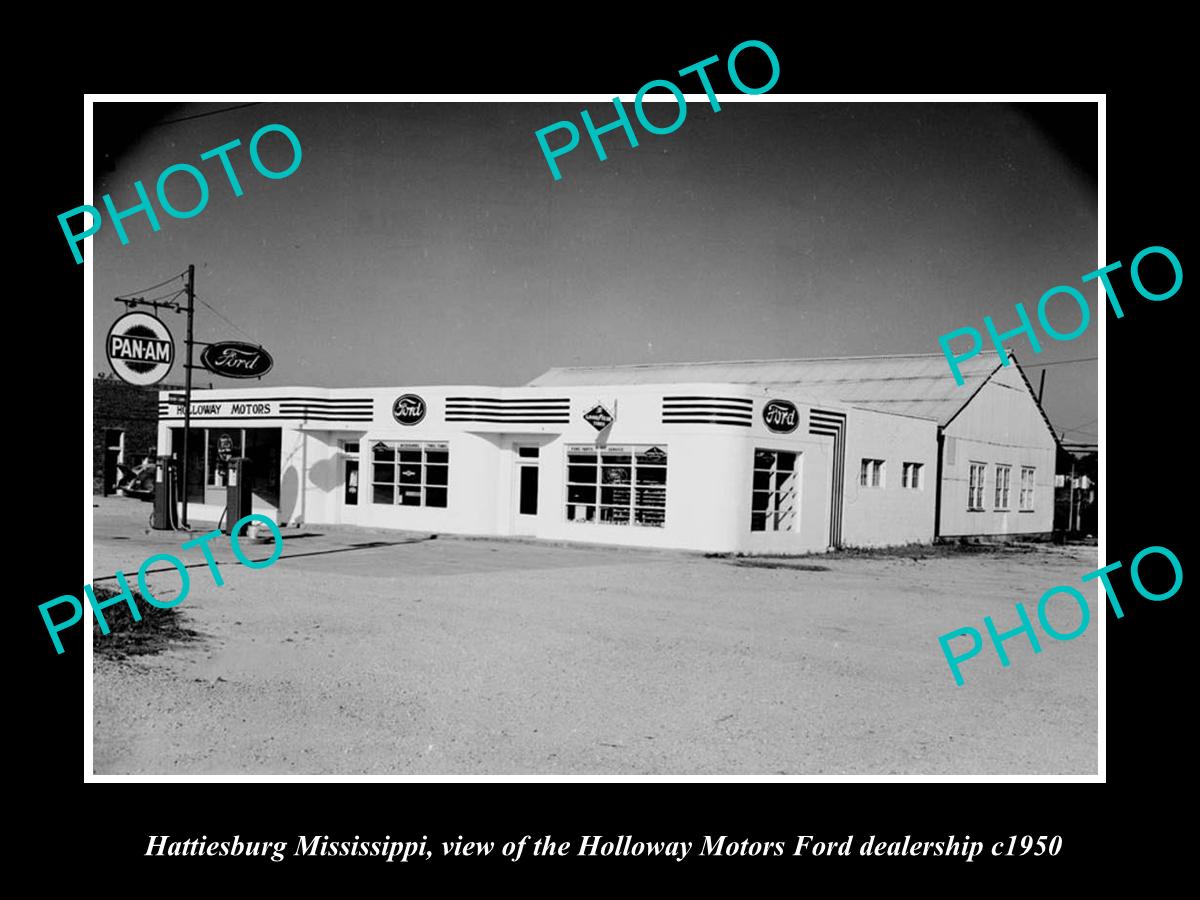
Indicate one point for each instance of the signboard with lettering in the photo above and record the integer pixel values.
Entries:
(236, 359)
(409, 409)
(224, 447)
(598, 417)
(781, 416)
(140, 349)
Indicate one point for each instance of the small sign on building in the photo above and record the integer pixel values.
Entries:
(598, 417)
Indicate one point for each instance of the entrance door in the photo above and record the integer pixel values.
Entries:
(525, 504)
(350, 481)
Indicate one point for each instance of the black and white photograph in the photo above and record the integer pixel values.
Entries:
(520, 437)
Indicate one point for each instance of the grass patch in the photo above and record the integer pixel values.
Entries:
(157, 630)
(916, 552)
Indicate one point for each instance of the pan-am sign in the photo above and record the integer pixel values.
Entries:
(236, 359)
(140, 349)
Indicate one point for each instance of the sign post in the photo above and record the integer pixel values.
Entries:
(187, 390)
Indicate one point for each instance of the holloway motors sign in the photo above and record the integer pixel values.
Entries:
(236, 359)
(780, 415)
(140, 349)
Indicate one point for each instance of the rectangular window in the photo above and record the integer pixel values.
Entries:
(350, 490)
(870, 473)
(773, 493)
(914, 476)
(1027, 488)
(1002, 486)
(617, 485)
(975, 486)
(410, 474)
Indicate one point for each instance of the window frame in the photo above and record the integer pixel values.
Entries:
(872, 473)
(1032, 470)
(917, 481)
(773, 514)
(973, 486)
(422, 484)
(1002, 490)
(637, 511)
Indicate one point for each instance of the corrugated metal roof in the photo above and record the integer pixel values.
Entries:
(919, 385)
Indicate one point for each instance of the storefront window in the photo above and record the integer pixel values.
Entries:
(410, 474)
(617, 485)
(223, 444)
(773, 501)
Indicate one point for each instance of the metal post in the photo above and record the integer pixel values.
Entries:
(187, 392)
(1041, 387)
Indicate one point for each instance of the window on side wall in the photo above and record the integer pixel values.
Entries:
(913, 476)
(1003, 474)
(870, 473)
(410, 474)
(617, 485)
(975, 486)
(773, 497)
(1027, 473)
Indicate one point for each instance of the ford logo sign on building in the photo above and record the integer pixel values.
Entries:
(409, 409)
(236, 359)
(780, 415)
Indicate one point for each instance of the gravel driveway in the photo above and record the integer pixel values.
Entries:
(369, 652)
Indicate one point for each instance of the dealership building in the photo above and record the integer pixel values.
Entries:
(776, 456)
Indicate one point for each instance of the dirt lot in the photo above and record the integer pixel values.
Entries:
(374, 652)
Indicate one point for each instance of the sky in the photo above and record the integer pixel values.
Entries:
(427, 243)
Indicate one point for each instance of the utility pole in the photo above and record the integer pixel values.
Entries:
(187, 391)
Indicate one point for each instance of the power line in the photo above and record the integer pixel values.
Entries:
(226, 319)
(152, 287)
(203, 114)
(1061, 362)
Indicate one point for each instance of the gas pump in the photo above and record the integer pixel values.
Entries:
(238, 495)
(164, 494)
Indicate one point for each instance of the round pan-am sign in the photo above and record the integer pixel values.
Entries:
(140, 348)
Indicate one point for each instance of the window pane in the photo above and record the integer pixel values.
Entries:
(351, 448)
(581, 494)
(616, 459)
(586, 458)
(651, 475)
(437, 456)
(410, 474)
(758, 500)
(617, 515)
(383, 452)
(528, 452)
(614, 495)
(787, 462)
(784, 481)
(864, 473)
(651, 497)
(435, 474)
(764, 459)
(580, 513)
(410, 496)
(383, 493)
(651, 517)
(384, 474)
(876, 472)
(758, 521)
(616, 475)
(584, 474)
(762, 481)
(410, 456)
(435, 496)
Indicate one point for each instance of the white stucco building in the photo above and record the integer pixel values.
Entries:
(781, 456)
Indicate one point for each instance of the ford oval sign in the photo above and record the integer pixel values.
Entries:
(780, 415)
(236, 359)
(409, 409)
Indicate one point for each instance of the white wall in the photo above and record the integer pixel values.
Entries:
(890, 514)
(1002, 424)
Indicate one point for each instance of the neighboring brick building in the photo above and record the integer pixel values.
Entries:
(124, 427)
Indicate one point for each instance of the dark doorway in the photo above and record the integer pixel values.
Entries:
(529, 490)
